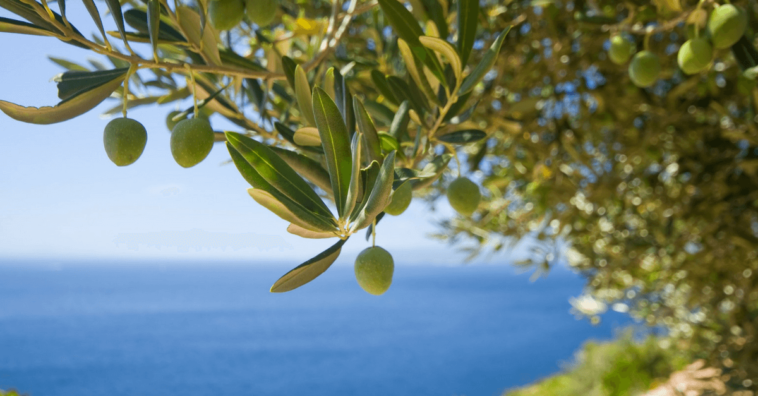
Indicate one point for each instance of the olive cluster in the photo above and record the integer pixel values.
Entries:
(191, 140)
(226, 14)
(726, 25)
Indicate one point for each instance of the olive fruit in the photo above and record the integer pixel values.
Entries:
(170, 123)
(644, 69)
(401, 199)
(373, 270)
(695, 56)
(464, 196)
(191, 141)
(726, 24)
(261, 12)
(124, 140)
(621, 49)
(226, 14)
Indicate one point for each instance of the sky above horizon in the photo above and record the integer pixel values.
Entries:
(62, 199)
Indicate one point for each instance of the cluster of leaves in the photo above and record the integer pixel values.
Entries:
(309, 138)
(655, 190)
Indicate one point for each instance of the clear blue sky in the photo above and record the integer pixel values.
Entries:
(62, 199)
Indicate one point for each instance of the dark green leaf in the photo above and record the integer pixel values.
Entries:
(13, 26)
(115, 7)
(463, 137)
(458, 106)
(229, 57)
(367, 128)
(71, 83)
(488, 60)
(379, 112)
(380, 193)
(336, 143)
(399, 126)
(309, 270)
(140, 21)
(306, 167)
(153, 23)
(289, 65)
(28, 12)
(284, 207)
(95, 14)
(468, 20)
(344, 100)
(435, 13)
(75, 104)
(402, 91)
(407, 28)
(278, 173)
(380, 83)
(355, 176)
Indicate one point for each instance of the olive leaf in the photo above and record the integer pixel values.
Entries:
(432, 171)
(402, 91)
(484, 66)
(463, 137)
(28, 12)
(408, 29)
(379, 196)
(413, 70)
(369, 175)
(115, 8)
(329, 83)
(368, 130)
(295, 229)
(283, 205)
(229, 57)
(189, 20)
(447, 50)
(140, 20)
(76, 103)
(13, 26)
(379, 112)
(380, 83)
(370, 229)
(355, 177)
(289, 66)
(344, 100)
(72, 83)
(68, 65)
(95, 15)
(278, 174)
(336, 143)
(400, 122)
(153, 24)
(268, 201)
(468, 20)
(289, 135)
(309, 270)
(311, 170)
(303, 95)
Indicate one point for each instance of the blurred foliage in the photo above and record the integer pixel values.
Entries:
(619, 368)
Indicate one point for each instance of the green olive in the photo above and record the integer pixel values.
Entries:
(124, 140)
(621, 49)
(401, 199)
(373, 270)
(464, 196)
(261, 12)
(191, 141)
(695, 56)
(644, 69)
(727, 24)
(226, 14)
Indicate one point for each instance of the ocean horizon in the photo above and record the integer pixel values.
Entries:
(163, 328)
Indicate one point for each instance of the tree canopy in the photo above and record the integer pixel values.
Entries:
(618, 136)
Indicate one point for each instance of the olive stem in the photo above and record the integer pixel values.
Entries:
(373, 233)
(132, 69)
(646, 42)
(194, 87)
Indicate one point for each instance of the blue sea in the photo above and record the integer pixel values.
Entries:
(167, 329)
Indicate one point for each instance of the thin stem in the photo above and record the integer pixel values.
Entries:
(132, 69)
(194, 87)
(373, 233)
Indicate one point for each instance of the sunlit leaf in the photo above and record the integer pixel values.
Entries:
(336, 143)
(463, 137)
(309, 270)
(304, 97)
(488, 60)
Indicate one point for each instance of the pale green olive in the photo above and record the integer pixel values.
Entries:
(124, 140)
(373, 270)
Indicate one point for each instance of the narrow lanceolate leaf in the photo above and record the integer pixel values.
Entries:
(68, 65)
(414, 70)
(303, 95)
(403, 92)
(379, 196)
(399, 124)
(302, 216)
(72, 83)
(468, 20)
(295, 229)
(445, 49)
(277, 173)
(336, 143)
(308, 270)
(74, 105)
(140, 21)
(115, 7)
(355, 176)
(368, 178)
(329, 82)
(432, 171)
(95, 15)
(343, 98)
(311, 170)
(189, 20)
(463, 137)
(153, 24)
(28, 12)
(289, 66)
(488, 60)
(308, 136)
(408, 29)
(380, 82)
(62, 8)
(277, 207)
(367, 128)
(12, 26)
